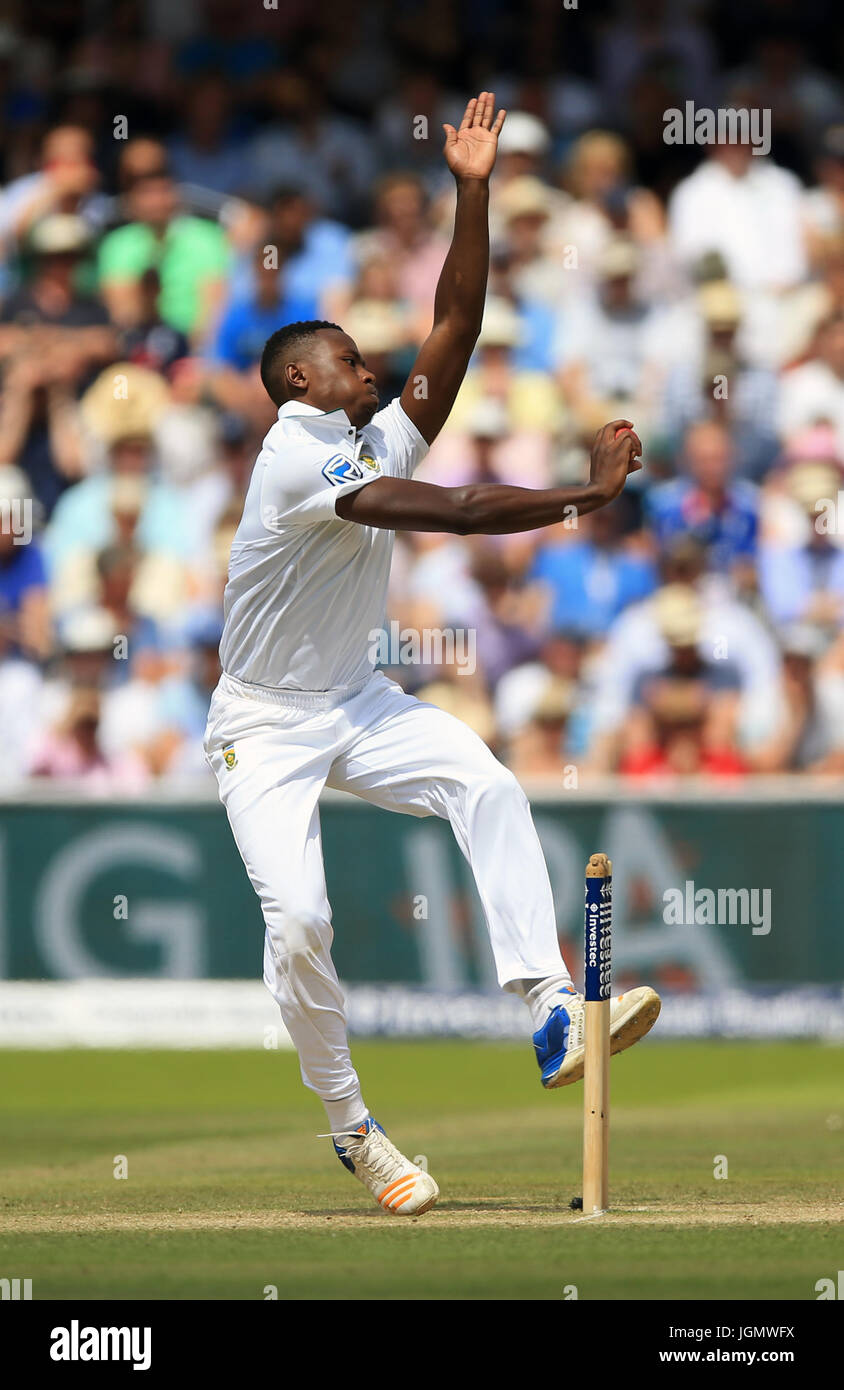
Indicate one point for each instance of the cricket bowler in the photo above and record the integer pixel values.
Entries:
(299, 707)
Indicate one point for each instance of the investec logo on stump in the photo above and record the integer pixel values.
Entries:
(75, 1343)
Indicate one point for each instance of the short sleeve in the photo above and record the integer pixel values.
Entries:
(404, 446)
(300, 486)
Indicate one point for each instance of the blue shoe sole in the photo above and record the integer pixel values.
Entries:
(627, 1031)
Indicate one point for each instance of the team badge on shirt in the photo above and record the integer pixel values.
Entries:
(229, 756)
(340, 469)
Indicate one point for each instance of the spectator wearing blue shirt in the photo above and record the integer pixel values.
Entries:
(539, 323)
(593, 576)
(248, 321)
(316, 252)
(718, 510)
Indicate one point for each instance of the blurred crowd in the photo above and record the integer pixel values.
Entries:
(178, 182)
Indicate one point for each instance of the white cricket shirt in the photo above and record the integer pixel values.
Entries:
(305, 588)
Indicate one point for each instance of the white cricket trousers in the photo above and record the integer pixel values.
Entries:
(273, 752)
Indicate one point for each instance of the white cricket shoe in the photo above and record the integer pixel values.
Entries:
(396, 1184)
(559, 1042)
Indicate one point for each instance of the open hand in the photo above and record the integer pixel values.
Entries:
(470, 151)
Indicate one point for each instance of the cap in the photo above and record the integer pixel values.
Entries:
(618, 258)
(811, 480)
(376, 326)
(501, 325)
(523, 134)
(679, 614)
(488, 419)
(60, 234)
(556, 701)
(719, 303)
(524, 197)
(125, 402)
(88, 630)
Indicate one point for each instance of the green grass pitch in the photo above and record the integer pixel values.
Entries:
(230, 1194)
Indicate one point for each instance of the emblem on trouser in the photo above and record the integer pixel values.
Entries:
(229, 756)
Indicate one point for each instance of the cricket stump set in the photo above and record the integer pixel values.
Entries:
(596, 1058)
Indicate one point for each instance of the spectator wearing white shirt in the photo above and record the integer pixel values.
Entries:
(747, 208)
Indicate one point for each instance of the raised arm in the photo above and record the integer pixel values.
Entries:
(400, 504)
(459, 302)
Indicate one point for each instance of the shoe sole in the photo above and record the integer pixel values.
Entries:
(628, 1030)
(427, 1207)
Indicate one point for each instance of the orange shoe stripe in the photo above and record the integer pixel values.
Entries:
(406, 1177)
(395, 1205)
(401, 1192)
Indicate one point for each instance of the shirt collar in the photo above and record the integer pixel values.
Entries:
(327, 419)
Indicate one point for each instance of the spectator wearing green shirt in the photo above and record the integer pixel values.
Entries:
(190, 255)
